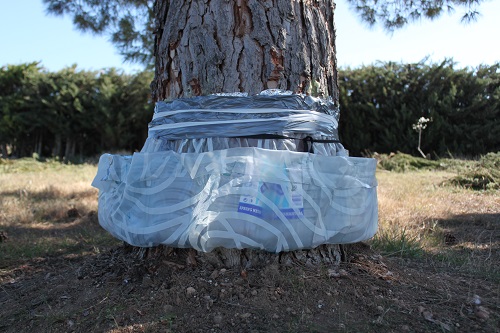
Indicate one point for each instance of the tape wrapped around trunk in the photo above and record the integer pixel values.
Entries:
(237, 188)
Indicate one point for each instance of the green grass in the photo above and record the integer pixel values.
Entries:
(394, 243)
(28, 164)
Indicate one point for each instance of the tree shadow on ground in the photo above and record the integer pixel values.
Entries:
(72, 235)
(467, 245)
(479, 232)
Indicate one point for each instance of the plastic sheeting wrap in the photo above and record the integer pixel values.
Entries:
(239, 186)
(217, 122)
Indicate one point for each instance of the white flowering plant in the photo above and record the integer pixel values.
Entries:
(419, 127)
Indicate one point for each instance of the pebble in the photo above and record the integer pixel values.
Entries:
(214, 275)
(333, 274)
(190, 291)
(482, 312)
(239, 281)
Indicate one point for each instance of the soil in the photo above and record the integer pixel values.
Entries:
(118, 291)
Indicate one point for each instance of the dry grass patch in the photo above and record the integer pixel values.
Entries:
(47, 209)
(418, 213)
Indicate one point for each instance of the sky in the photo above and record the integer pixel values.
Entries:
(27, 34)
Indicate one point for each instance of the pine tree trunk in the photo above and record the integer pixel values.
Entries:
(39, 144)
(57, 151)
(67, 150)
(205, 47)
(3, 150)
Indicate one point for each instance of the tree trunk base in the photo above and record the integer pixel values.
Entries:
(330, 255)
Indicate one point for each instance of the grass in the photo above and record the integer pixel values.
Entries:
(397, 243)
(425, 212)
(47, 209)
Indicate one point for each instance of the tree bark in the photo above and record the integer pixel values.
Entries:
(213, 46)
(3, 150)
(68, 149)
(205, 47)
(57, 151)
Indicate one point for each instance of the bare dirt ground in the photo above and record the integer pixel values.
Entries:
(116, 291)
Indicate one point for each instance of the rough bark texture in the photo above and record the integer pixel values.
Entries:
(214, 46)
(328, 254)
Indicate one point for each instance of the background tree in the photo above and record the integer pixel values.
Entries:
(71, 114)
(394, 14)
(18, 85)
(128, 23)
(381, 102)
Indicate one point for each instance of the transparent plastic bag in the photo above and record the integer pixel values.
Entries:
(237, 190)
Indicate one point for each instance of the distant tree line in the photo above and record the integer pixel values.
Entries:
(71, 114)
(381, 103)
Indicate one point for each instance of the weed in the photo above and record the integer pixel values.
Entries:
(168, 319)
(400, 244)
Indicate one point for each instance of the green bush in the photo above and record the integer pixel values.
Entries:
(380, 103)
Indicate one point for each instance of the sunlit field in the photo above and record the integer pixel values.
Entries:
(46, 209)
